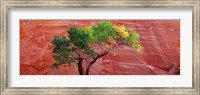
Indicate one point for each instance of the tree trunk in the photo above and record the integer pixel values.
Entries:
(80, 67)
(93, 61)
(90, 64)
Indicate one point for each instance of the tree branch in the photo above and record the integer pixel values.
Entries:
(94, 60)
(100, 46)
(80, 67)
(77, 53)
(108, 43)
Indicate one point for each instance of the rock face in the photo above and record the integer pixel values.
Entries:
(160, 40)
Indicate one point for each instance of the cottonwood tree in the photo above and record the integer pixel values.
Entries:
(91, 43)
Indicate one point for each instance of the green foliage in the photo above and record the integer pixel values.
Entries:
(102, 31)
(79, 37)
(137, 46)
(80, 41)
(133, 40)
(60, 43)
(62, 51)
(133, 37)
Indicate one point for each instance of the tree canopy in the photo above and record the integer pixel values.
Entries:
(81, 42)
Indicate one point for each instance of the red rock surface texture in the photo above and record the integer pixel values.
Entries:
(160, 40)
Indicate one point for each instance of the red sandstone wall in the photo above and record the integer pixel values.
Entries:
(160, 40)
